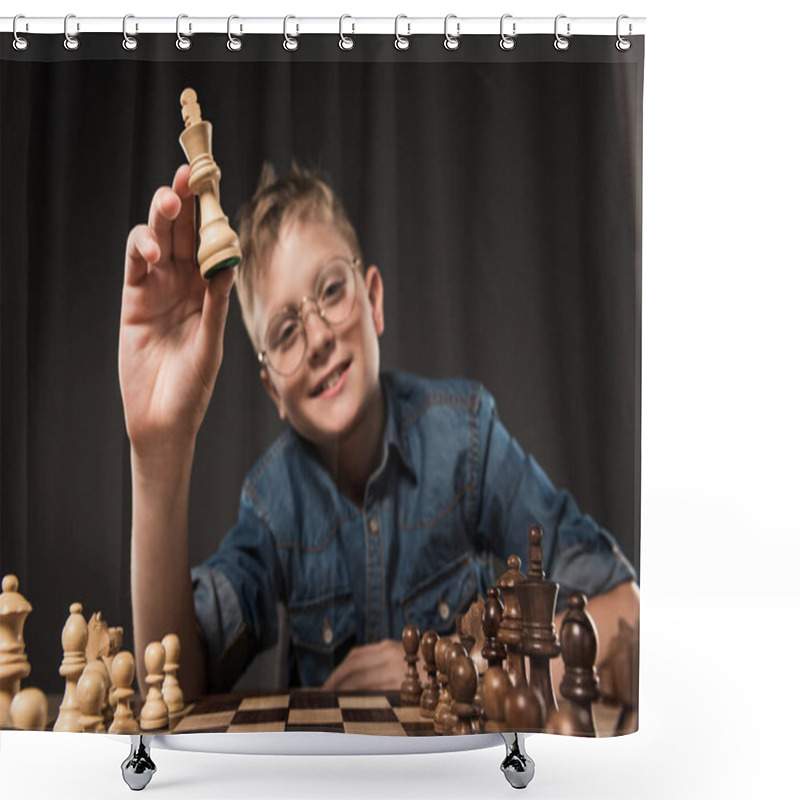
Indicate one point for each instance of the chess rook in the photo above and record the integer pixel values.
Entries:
(219, 246)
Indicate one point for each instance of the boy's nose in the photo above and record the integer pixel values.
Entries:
(318, 334)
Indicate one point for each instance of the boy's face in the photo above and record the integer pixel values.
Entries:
(343, 358)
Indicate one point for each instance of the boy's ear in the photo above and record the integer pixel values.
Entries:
(374, 284)
(272, 392)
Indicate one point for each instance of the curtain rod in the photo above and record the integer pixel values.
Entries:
(186, 25)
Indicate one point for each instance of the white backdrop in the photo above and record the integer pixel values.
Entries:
(720, 435)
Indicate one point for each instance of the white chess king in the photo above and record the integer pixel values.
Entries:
(219, 246)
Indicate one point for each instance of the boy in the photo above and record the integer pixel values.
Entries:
(374, 507)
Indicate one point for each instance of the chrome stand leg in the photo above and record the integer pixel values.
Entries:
(138, 768)
(517, 766)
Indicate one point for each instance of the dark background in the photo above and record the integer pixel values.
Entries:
(498, 192)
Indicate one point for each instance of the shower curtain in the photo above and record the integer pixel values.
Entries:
(496, 193)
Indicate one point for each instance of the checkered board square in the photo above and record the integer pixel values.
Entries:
(376, 713)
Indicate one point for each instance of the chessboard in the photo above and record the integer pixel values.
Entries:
(372, 713)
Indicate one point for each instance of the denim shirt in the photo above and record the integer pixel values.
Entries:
(453, 486)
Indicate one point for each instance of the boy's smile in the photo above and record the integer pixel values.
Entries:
(335, 390)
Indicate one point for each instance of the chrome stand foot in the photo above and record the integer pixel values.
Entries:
(518, 766)
(138, 768)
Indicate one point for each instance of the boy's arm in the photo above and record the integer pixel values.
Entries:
(161, 587)
(170, 350)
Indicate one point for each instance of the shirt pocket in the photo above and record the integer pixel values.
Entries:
(322, 635)
(442, 596)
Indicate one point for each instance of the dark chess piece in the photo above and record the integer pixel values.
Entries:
(493, 649)
(580, 686)
(510, 633)
(463, 685)
(411, 690)
(430, 694)
(524, 709)
(537, 602)
(443, 707)
(138, 768)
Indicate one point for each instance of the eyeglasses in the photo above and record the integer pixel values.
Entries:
(334, 298)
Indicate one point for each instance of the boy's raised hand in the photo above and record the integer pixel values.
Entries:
(172, 325)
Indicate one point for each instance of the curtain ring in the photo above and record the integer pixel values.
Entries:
(289, 42)
(129, 42)
(561, 42)
(401, 42)
(507, 42)
(346, 42)
(71, 42)
(623, 43)
(20, 42)
(451, 42)
(234, 42)
(182, 42)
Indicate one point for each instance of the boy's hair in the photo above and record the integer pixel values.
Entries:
(300, 196)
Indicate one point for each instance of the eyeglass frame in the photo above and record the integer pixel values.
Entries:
(263, 358)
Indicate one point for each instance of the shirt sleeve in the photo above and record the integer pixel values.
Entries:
(236, 595)
(515, 492)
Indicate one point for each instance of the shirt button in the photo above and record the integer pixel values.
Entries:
(444, 610)
(327, 631)
(374, 525)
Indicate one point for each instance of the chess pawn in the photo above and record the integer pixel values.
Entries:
(90, 694)
(449, 719)
(580, 685)
(14, 666)
(430, 694)
(29, 710)
(524, 709)
(443, 707)
(463, 685)
(155, 714)
(173, 695)
(411, 690)
(219, 245)
(74, 636)
(510, 633)
(496, 686)
(123, 670)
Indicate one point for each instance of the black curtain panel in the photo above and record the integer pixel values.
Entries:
(499, 192)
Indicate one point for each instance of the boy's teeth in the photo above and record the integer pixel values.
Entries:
(332, 380)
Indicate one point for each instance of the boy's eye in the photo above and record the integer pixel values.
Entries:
(284, 333)
(332, 291)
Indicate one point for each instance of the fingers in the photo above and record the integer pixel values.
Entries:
(215, 311)
(372, 666)
(164, 210)
(183, 235)
(142, 249)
